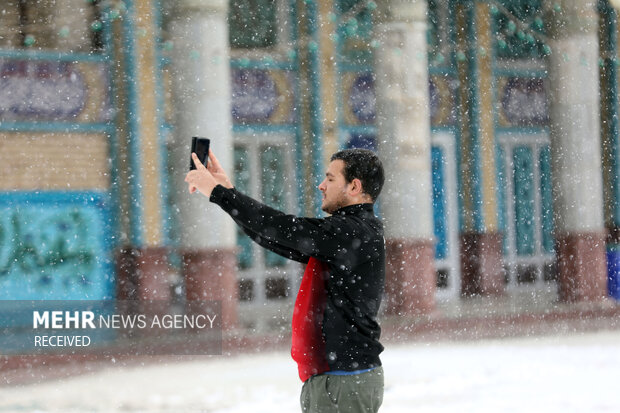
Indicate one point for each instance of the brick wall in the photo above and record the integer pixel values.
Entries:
(53, 161)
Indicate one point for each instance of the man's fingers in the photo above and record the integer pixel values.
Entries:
(189, 176)
(197, 162)
(214, 161)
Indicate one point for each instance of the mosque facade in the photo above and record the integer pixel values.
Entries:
(497, 122)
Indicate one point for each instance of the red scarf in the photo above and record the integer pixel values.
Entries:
(308, 344)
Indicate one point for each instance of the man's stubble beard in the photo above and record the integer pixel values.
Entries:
(336, 205)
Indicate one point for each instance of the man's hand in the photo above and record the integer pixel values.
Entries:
(204, 179)
(217, 171)
(200, 178)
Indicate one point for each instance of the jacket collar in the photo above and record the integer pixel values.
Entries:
(355, 209)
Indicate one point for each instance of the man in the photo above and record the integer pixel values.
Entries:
(335, 333)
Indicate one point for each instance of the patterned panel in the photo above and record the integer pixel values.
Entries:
(252, 23)
(440, 219)
(360, 101)
(439, 33)
(548, 240)
(355, 31)
(272, 184)
(53, 247)
(504, 196)
(262, 96)
(434, 34)
(362, 140)
(524, 199)
(513, 41)
(245, 257)
(54, 91)
(523, 101)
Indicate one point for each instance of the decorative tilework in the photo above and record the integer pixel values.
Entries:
(262, 96)
(53, 246)
(523, 101)
(360, 105)
(35, 90)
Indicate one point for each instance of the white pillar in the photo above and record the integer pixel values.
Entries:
(404, 145)
(576, 149)
(404, 121)
(574, 86)
(202, 94)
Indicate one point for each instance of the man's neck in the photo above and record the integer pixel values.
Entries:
(359, 200)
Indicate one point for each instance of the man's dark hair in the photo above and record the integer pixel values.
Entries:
(364, 165)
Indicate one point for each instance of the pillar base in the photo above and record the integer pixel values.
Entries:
(582, 267)
(211, 275)
(482, 269)
(143, 274)
(411, 281)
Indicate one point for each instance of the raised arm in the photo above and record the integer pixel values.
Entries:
(327, 239)
(204, 179)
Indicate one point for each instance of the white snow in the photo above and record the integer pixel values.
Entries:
(567, 373)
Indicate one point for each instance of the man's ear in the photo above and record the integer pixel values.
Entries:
(356, 187)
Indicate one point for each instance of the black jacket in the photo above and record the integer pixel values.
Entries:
(351, 243)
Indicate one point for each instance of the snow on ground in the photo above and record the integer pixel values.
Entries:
(575, 373)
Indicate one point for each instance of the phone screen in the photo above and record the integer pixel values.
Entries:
(201, 147)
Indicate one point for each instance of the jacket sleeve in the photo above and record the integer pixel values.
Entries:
(275, 247)
(321, 238)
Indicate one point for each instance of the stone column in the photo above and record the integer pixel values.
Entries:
(202, 95)
(481, 241)
(576, 150)
(404, 146)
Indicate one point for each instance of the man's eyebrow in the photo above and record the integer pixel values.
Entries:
(329, 174)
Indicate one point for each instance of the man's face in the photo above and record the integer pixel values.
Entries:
(334, 188)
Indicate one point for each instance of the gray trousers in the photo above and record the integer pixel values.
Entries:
(358, 393)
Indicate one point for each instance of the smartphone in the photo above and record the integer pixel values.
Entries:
(201, 147)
